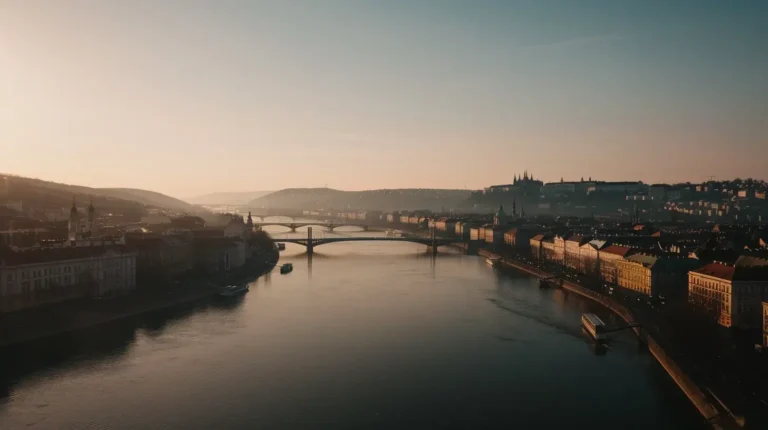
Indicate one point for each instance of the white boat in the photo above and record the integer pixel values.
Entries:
(285, 268)
(493, 262)
(233, 290)
(393, 233)
(594, 326)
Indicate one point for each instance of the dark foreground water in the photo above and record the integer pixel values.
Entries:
(367, 335)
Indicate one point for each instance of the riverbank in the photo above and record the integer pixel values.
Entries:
(716, 417)
(35, 324)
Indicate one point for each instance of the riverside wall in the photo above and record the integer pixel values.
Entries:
(686, 384)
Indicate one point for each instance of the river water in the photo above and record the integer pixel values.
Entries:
(363, 335)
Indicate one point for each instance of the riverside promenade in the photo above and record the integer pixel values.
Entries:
(717, 416)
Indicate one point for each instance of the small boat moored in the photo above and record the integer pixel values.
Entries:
(493, 262)
(594, 326)
(280, 246)
(286, 268)
(233, 290)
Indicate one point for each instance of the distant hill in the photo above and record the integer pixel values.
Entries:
(387, 199)
(150, 198)
(45, 195)
(225, 198)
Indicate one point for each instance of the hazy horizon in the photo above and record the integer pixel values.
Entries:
(193, 97)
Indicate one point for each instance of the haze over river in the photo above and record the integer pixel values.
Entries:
(366, 335)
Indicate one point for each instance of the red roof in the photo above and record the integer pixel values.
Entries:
(578, 239)
(717, 270)
(734, 273)
(621, 251)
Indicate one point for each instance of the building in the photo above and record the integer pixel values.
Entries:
(155, 219)
(559, 247)
(476, 232)
(735, 294)
(589, 257)
(41, 276)
(494, 234)
(765, 324)
(218, 254)
(572, 248)
(609, 258)
(617, 187)
(160, 256)
(500, 218)
(520, 237)
(655, 276)
(446, 224)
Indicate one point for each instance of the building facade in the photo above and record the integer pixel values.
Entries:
(734, 294)
(655, 276)
(41, 276)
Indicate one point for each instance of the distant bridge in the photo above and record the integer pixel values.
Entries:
(432, 242)
(294, 225)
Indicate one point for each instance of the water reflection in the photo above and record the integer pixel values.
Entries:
(111, 341)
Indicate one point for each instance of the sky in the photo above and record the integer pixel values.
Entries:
(189, 97)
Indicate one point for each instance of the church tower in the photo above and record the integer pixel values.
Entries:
(514, 208)
(91, 226)
(73, 222)
(500, 218)
(249, 223)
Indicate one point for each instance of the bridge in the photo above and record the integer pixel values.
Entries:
(432, 242)
(294, 225)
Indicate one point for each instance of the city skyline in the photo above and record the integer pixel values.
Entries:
(186, 98)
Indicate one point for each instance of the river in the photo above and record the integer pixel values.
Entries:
(365, 335)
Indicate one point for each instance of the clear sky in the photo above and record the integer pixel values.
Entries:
(188, 97)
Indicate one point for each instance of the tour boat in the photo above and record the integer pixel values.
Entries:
(233, 290)
(285, 268)
(393, 233)
(493, 262)
(594, 326)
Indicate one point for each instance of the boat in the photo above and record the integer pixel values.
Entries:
(393, 233)
(280, 246)
(493, 262)
(286, 268)
(594, 326)
(233, 290)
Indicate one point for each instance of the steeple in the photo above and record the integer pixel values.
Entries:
(73, 222)
(500, 218)
(250, 220)
(515, 180)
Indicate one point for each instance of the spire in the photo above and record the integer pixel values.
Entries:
(250, 220)
(515, 180)
(91, 209)
(74, 208)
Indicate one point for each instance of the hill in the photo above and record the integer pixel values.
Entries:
(227, 198)
(150, 198)
(37, 194)
(386, 199)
